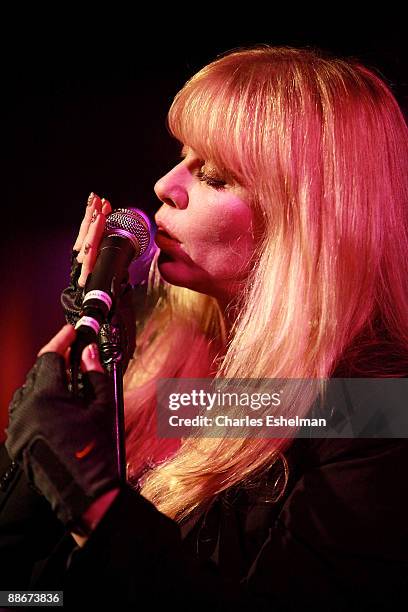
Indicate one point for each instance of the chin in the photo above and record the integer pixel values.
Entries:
(173, 271)
(181, 274)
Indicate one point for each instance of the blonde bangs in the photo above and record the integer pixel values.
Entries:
(210, 114)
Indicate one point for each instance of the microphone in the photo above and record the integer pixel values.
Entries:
(127, 238)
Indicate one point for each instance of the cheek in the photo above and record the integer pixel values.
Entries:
(221, 243)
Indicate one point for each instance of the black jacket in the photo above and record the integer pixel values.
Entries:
(337, 540)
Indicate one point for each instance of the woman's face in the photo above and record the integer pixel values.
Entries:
(208, 217)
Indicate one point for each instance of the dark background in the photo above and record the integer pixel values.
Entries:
(83, 114)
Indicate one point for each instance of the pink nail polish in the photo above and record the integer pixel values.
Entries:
(90, 199)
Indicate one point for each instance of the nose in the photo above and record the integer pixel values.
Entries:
(171, 188)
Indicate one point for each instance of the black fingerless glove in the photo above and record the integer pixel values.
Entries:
(72, 296)
(123, 321)
(65, 443)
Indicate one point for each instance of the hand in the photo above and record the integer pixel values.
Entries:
(90, 234)
(84, 255)
(83, 259)
(65, 443)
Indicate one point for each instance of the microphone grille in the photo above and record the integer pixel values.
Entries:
(130, 223)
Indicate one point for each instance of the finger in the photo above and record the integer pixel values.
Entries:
(94, 205)
(90, 361)
(67, 357)
(90, 207)
(60, 342)
(91, 247)
(84, 226)
(106, 207)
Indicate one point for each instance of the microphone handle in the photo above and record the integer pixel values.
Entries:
(85, 335)
(114, 258)
(103, 285)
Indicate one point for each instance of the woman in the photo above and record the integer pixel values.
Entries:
(283, 238)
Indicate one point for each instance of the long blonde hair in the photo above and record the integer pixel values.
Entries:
(322, 146)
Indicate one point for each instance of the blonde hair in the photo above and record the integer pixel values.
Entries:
(322, 146)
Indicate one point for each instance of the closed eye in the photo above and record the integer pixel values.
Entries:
(211, 181)
(210, 178)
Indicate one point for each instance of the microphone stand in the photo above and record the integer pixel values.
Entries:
(111, 356)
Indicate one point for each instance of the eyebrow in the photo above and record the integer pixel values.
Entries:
(229, 175)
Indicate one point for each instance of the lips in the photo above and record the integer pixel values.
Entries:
(165, 233)
(165, 240)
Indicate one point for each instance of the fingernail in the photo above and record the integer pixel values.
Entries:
(90, 199)
(93, 351)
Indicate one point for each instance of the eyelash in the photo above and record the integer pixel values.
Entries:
(215, 183)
